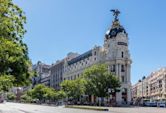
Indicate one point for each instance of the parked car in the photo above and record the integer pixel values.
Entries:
(161, 104)
(150, 104)
(146, 104)
(153, 104)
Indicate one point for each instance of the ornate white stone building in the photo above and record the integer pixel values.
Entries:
(114, 52)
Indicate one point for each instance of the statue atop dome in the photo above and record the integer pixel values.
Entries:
(116, 27)
(116, 13)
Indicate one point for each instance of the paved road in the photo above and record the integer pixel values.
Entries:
(27, 108)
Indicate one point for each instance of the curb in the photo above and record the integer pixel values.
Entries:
(87, 108)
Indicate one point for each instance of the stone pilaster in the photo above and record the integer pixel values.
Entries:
(119, 98)
(117, 69)
(129, 95)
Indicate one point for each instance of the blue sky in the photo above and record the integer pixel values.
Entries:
(56, 27)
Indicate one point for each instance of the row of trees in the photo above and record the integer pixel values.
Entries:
(41, 94)
(96, 81)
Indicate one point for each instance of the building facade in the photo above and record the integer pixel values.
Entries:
(43, 74)
(152, 88)
(56, 74)
(114, 52)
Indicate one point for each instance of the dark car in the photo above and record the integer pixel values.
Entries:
(153, 104)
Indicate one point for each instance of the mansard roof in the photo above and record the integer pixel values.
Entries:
(80, 57)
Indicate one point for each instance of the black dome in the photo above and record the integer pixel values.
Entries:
(114, 31)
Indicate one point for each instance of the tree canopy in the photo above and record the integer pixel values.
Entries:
(74, 88)
(6, 82)
(99, 80)
(95, 80)
(14, 60)
(42, 93)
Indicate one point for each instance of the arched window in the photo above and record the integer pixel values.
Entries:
(122, 54)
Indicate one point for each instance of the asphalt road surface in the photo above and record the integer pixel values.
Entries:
(28, 108)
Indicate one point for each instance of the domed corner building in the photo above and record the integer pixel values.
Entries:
(117, 56)
(114, 52)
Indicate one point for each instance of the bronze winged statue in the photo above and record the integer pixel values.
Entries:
(116, 13)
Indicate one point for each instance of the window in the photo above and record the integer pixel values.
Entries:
(113, 68)
(75, 76)
(123, 79)
(122, 68)
(160, 83)
(95, 53)
(122, 54)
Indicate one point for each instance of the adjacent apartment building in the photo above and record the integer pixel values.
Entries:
(152, 88)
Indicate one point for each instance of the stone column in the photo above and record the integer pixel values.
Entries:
(119, 98)
(128, 95)
(128, 75)
(120, 76)
(116, 67)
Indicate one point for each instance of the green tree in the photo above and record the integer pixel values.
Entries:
(6, 82)
(99, 80)
(12, 20)
(11, 96)
(42, 93)
(60, 95)
(26, 98)
(38, 92)
(73, 88)
(50, 93)
(14, 60)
